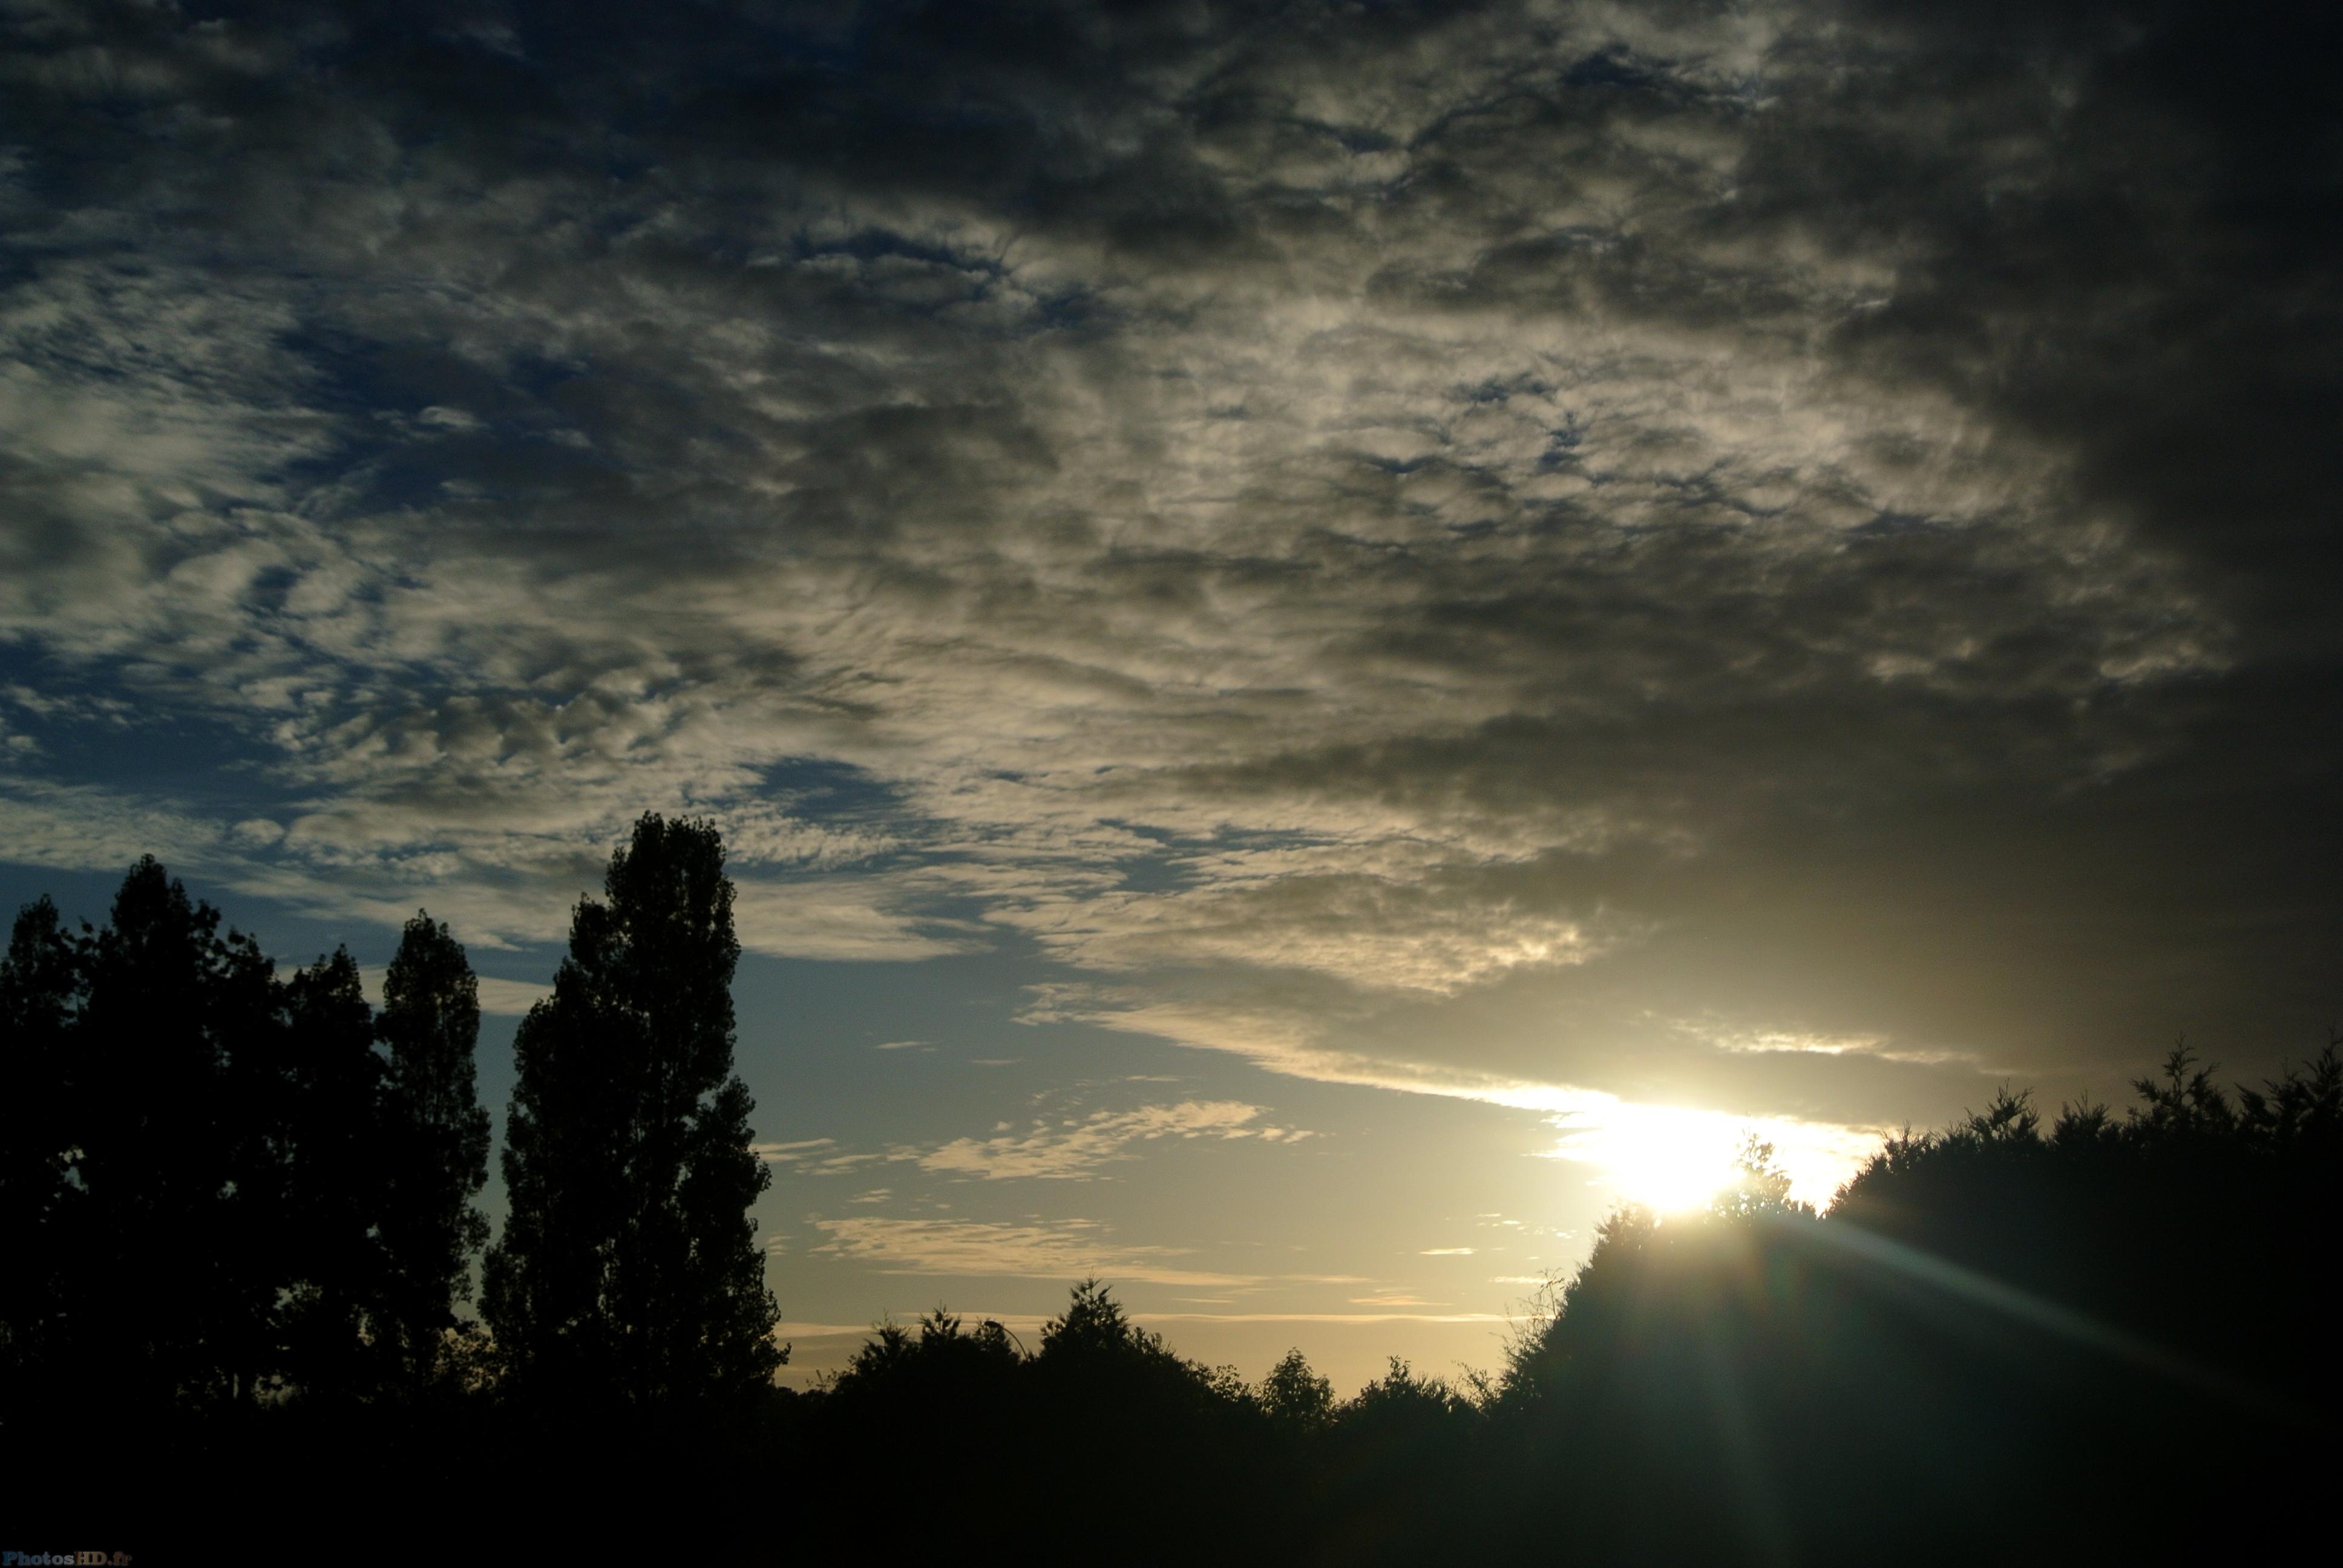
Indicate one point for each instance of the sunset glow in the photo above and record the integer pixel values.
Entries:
(1675, 1158)
(1663, 1158)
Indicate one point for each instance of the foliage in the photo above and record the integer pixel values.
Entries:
(434, 1153)
(176, 1106)
(186, 1116)
(628, 1267)
(1296, 1396)
(39, 983)
(323, 1143)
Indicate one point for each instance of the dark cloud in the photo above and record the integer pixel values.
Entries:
(1454, 546)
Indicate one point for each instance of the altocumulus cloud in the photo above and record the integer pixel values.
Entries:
(1468, 547)
(1076, 1147)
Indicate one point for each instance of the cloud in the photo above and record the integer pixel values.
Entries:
(1076, 1148)
(1059, 1149)
(784, 1153)
(1322, 1317)
(499, 998)
(510, 998)
(851, 1163)
(839, 920)
(1380, 932)
(1049, 1249)
(1417, 554)
(88, 827)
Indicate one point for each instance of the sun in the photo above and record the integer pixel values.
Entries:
(1665, 1158)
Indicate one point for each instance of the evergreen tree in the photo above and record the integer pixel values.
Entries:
(435, 1150)
(629, 1264)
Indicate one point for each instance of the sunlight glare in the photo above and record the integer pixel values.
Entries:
(1667, 1159)
(1673, 1160)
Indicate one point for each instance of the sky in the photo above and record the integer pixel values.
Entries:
(1327, 637)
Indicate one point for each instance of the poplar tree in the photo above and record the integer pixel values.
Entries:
(434, 1147)
(628, 1266)
(316, 1177)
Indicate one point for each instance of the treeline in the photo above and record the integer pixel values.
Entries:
(241, 1221)
(221, 1184)
(2111, 1338)
(224, 1190)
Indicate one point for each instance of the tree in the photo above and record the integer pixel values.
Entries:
(1759, 1186)
(434, 1150)
(317, 1175)
(1296, 1396)
(1094, 1329)
(40, 990)
(193, 1197)
(174, 1020)
(628, 1265)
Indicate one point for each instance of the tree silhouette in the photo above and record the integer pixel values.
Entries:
(628, 1266)
(2097, 1337)
(1295, 1395)
(434, 1150)
(1095, 1329)
(1759, 1186)
(173, 1298)
(2300, 1112)
(195, 1191)
(40, 987)
(313, 1176)
(2185, 1103)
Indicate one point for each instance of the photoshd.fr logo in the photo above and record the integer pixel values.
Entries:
(63, 1559)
